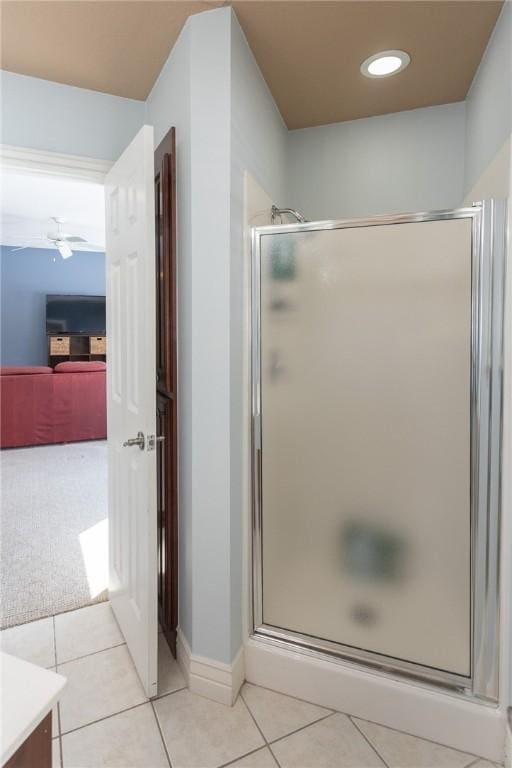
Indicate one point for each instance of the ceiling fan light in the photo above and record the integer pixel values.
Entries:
(64, 249)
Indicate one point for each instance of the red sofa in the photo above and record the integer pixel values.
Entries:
(40, 405)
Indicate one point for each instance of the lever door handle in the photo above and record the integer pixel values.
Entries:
(139, 440)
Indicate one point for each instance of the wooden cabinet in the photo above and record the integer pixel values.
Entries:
(63, 348)
(36, 750)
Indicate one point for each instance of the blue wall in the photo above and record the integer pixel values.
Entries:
(26, 277)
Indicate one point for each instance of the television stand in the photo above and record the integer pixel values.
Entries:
(66, 347)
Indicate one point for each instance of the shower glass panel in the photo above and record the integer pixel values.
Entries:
(362, 398)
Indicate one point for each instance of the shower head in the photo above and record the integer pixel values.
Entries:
(289, 211)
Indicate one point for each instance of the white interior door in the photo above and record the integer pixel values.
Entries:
(130, 259)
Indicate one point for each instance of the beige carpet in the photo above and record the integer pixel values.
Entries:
(53, 526)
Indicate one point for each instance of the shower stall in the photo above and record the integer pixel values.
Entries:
(376, 439)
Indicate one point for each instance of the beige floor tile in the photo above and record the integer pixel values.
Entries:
(278, 715)
(85, 631)
(170, 677)
(200, 733)
(260, 759)
(56, 753)
(33, 642)
(98, 686)
(400, 750)
(331, 743)
(128, 740)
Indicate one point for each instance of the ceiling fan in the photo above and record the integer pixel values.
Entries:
(62, 241)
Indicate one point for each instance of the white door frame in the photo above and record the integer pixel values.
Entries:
(27, 160)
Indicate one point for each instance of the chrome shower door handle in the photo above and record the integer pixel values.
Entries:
(139, 440)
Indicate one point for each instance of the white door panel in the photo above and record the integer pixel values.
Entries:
(130, 240)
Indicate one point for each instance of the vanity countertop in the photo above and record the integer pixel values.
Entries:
(28, 694)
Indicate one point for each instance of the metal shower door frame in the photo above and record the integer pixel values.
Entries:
(487, 309)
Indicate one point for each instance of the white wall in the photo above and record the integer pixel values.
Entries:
(192, 94)
(259, 149)
(408, 161)
(489, 116)
(60, 118)
(211, 510)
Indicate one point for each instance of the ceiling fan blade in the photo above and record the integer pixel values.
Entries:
(89, 247)
(75, 239)
(32, 237)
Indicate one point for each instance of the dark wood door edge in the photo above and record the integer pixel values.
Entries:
(167, 374)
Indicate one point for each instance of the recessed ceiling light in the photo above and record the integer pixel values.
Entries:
(385, 63)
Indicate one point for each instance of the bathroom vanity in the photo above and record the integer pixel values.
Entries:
(28, 695)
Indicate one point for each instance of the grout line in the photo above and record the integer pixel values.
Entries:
(127, 709)
(161, 735)
(92, 653)
(167, 693)
(259, 729)
(413, 736)
(54, 642)
(236, 759)
(107, 717)
(370, 744)
(289, 696)
(303, 727)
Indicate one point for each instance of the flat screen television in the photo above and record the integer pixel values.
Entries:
(75, 314)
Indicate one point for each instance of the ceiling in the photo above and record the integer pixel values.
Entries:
(310, 54)
(27, 203)
(114, 46)
(309, 51)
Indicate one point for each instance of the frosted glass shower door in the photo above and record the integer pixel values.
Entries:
(365, 415)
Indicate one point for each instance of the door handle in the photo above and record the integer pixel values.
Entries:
(139, 440)
(153, 440)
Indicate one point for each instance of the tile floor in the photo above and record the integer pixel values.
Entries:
(104, 719)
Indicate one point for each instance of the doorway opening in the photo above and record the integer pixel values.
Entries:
(53, 388)
(60, 543)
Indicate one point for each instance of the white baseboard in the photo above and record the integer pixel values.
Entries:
(416, 709)
(209, 678)
(508, 740)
